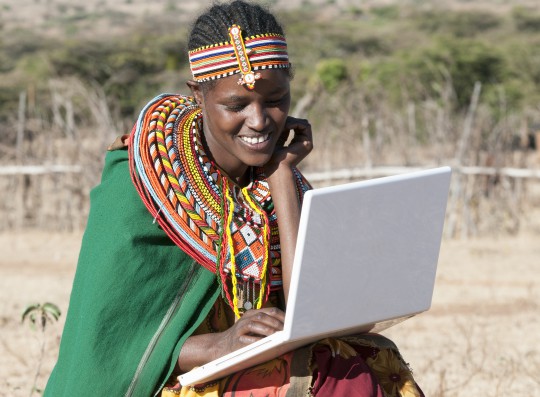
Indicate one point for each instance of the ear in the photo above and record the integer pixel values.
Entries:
(196, 91)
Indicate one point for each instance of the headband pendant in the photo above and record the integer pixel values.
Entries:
(248, 76)
(249, 79)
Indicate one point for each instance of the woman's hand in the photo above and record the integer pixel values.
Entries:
(299, 147)
(252, 326)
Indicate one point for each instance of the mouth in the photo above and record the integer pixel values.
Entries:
(255, 140)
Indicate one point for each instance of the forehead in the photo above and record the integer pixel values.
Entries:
(272, 81)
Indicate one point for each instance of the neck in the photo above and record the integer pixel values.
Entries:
(238, 177)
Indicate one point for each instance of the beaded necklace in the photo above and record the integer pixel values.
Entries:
(229, 230)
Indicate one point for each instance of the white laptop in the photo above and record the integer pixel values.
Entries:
(365, 259)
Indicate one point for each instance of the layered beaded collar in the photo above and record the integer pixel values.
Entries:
(229, 230)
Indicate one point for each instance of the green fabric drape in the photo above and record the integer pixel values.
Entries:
(136, 297)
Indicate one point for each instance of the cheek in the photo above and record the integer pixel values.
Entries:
(279, 115)
(231, 123)
(283, 111)
(224, 123)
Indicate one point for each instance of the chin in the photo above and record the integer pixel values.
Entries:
(259, 162)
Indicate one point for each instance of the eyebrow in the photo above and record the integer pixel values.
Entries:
(235, 98)
(239, 98)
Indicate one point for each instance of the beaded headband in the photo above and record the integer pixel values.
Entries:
(257, 52)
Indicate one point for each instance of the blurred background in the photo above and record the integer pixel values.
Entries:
(384, 83)
(389, 86)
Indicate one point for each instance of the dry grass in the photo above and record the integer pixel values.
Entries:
(481, 335)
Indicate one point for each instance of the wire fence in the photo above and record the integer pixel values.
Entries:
(481, 199)
(54, 155)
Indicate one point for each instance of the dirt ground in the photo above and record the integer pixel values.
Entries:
(481, 336)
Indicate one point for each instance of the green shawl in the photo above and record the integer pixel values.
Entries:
(136, 298)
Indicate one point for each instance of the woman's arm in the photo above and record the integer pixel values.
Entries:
(283, 190)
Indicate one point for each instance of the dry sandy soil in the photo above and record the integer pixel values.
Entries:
(481, 336)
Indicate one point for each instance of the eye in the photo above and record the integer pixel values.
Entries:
(235, 107)
(277, 101)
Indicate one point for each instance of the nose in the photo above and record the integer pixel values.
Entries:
(257, 117)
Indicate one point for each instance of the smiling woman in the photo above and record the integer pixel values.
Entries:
(191, 257)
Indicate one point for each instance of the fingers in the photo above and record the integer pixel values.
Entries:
(251, 327)
(255, 324)
(283, 138)
(267, 313)
(302, 142)
(301, 128)
(299, 147)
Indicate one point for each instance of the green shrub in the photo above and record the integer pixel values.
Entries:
(332, 72)
(460, 24)
(355, 11)
(469, 61)
(524, 61)
(424, 73)
(526, 19)
(505, 96)
(389, 12)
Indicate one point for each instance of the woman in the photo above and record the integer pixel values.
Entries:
(186, 261)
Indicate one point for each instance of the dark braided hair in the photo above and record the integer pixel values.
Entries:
(212, 27)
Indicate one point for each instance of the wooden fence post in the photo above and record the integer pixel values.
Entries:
(458, 193)
(19, 158)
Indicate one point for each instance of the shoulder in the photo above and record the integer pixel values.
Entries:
(167, 100)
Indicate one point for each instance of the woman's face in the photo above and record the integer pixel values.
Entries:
(242, 126)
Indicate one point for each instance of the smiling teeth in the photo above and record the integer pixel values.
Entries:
(254, 140)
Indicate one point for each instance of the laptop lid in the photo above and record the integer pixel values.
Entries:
(366, 253)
